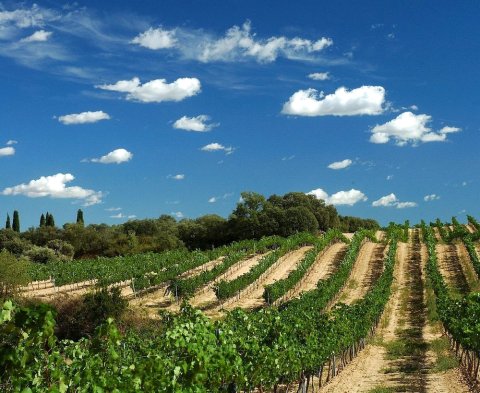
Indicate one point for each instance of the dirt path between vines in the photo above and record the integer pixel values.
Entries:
(325, 265)
(206, 296)
(254, 298)
(366, 270)
(452, 268)
(399, 356)
(470, 228)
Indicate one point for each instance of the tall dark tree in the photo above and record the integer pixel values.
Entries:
(80, 217)
(42, 220)
(7, 224)
(16, 221)
(49, 220)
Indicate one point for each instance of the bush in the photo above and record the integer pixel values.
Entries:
(41, 254)
(63, 250)
(13, 274)
(79, 317)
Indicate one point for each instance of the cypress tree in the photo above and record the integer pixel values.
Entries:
(7, 224)
(16, 221)
(80, 217)
(42, 221)
(49, 220)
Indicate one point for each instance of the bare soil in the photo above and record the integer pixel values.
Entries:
(325, 265)
(366, 270)
(451, 268)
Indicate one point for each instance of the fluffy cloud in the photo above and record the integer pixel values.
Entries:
(177, 214)
(7, 151)
(431, 197)
(84, 117)
(180, 176)
(409, 128)
(114, 157)
(238, 43)
(212, 200)
(113, 209)
(38, 36)
(391, 200)
(55, 187)
(349, 198)
(11, 142)
(340, 164)
(365, 100)
(217, 147)
(155, 39)
(215, 199)
(319, 76)
(197, 123)
(157, 90)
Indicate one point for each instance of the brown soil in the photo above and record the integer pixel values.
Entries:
(451, 268)
(252, 297)
(206, 296)
(200, 269)
(470, 228)
(366, 270)
(404, 321)
(325, 265)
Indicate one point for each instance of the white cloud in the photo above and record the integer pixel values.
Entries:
(288, 158)
(238, 43)
(217, 147)
(365, 100)
(177, 214)
(197, 123)
(389, 177)
(349, 198)
(215, 199)
(449, 130)
(155, 39)
(55, 187)
(157, 90)
(212, 200)
(180, 176)
(84, 117)
(409, 128)
(431, 197)
(114, 157)
(340, 164)
(7, 151)
(121, 215)
(391, 200)
(319, 76)
(113, 209)
(38, 36)
(11, 142)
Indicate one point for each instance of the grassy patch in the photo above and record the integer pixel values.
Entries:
(405, 347)
(445, 360)
(381, 389)
(352, 284)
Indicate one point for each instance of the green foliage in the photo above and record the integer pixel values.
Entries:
(41, 255)
(7, 223)
(80, 220)
(13, 273)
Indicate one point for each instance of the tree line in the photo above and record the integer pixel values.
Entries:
(254, 216)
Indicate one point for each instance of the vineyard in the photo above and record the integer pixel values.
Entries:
(395, 310)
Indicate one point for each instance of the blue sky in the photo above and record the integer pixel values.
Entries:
(145, 108)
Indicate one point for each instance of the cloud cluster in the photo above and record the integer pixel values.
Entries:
(7, 151)
(84, 117)
(55, 187)
(409, 128)
(431, 197)
(38, 36)
(117, 156)
(349, 198)
(156, 39)
(157, 90)
(238, 43)
(121, 215)
(365, 100)
(319, 76)
(196, 123)
(215, 199)
(180, 176)
(340, 164)
(211, 147)
(391, 200)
